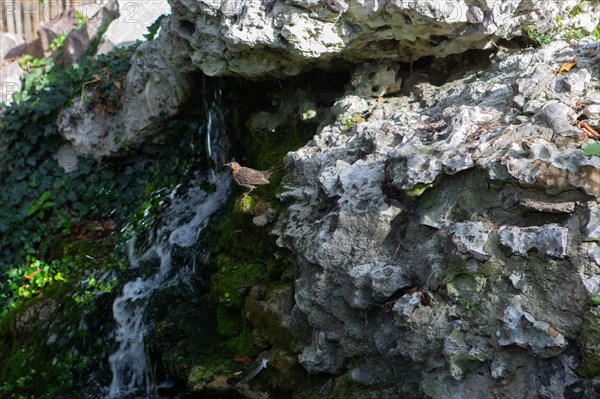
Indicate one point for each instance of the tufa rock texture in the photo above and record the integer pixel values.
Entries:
(152, 91)
(447, 240)
(259, 38)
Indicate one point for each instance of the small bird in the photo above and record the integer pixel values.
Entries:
(248, 177)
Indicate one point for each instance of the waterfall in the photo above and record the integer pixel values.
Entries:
(183, 221)
(216, 142)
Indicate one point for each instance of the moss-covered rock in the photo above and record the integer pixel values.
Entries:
(589, 344)
(202, 375)
(466, 288)
(268, 327)
(53, 340)
(229, 321)
(285, 372)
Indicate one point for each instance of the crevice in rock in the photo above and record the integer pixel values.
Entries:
(439, 71)
(187, 27)
(258, 118)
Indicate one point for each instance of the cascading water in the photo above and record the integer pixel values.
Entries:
(183, 221)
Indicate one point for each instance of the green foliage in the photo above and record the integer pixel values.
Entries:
(349, 122)
(36, 78)
(59, 41)
(40, 200)
(81, 19)
(578, 9)
(542, 39)
(40, 205)
(153, 29)
(34, 275)
(48, 218)
(562, 31)
(592, 150)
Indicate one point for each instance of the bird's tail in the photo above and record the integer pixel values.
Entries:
(276, 168)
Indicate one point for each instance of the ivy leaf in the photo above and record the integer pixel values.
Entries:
(596, 299)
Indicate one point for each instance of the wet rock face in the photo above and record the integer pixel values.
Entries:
(261, 38)
(447, 241)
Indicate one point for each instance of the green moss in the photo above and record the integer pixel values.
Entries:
(463, 358)
(244, 256)
(242, 344)
(466, 288)
(285, 371)
(233, 278)
(268, 325)
(48, 339)
(96, 248)
(418, 189)
(201, 375)
(589, 340)
(229, 321)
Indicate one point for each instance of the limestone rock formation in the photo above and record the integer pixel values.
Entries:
(446, 239)
(152, 90)
(260, 38)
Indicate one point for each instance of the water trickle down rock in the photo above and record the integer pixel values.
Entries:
(185, 219)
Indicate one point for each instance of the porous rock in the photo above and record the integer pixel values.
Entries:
(548, 240)
(471, 237)
(151, 89)
(444, 193)
(261, 38)
(520, 328)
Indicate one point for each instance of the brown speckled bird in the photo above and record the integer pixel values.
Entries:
(247, 177)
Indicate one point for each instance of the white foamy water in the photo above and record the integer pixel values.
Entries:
(182, 223)
(184, 220)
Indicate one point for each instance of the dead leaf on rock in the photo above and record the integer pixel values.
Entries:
(242, 359)
(566, 67)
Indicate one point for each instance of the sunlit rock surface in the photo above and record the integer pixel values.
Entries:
(446, 240)
(152, 90)
(260, 38)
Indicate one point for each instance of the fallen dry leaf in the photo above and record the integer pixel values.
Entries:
(566, 67)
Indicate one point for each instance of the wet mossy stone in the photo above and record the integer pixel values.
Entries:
(286, 373)
(589, 344)
(466, 288)
(229, 321)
